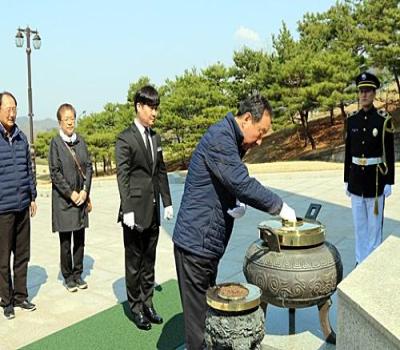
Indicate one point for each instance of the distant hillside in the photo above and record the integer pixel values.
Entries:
(288, 144)
(39, 125)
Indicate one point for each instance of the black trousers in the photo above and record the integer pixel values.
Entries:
(71, 263)
(15, 232)
(195, 275)
(140, 258)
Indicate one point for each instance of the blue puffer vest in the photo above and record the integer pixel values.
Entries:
(17, 188)
(216, 178)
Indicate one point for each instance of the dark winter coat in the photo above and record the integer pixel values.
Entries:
(216, 177)
(66, 178)
(17, 185)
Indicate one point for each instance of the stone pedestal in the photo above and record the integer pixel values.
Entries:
(300, 341)
(234, 331)
(368, 302)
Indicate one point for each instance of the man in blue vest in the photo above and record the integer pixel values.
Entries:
(17, 204)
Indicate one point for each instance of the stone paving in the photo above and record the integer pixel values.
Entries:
(104, 256)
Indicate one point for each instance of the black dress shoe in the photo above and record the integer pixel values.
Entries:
(141, 321)
(152, 315)
(25, 305)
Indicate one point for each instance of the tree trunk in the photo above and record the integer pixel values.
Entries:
(331, 115)
(344, 116)
(386, 99)
(182, 156)
(396, 77)
(307, 132)
(104, 165)
(95, 168)
(298, 133)
(303, 125)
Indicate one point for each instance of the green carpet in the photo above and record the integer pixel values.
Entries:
(112, 329)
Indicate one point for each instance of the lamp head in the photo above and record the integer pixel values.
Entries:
(19, 39)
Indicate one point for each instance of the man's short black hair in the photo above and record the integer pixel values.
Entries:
(147, 95)
(256, 105)
(6, 93)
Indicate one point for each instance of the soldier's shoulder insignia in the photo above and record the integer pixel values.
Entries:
(383, 113)
(349, 115)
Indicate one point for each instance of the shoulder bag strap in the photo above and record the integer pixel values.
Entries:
(75, 160)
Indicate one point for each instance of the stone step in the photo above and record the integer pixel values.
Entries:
(299, 341)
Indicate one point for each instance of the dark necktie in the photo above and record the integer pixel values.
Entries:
(147, 134)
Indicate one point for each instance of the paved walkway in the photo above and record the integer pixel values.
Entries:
(104, 255)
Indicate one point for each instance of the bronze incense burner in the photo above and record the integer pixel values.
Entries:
(295, 267)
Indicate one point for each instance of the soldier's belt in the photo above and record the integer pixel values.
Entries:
(366, 161)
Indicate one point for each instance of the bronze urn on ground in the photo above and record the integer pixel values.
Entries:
(234, 319)
(295, 267)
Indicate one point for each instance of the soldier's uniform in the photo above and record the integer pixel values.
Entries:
(369, 167)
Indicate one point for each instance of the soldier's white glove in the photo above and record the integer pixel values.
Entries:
(168, 213)
(348, 194)
(287, 213)
(129, 220)
(238, 211)
(387, 191)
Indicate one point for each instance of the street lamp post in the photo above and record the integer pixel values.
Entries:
(19, 41)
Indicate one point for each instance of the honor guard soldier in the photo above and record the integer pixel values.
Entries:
(369, 166)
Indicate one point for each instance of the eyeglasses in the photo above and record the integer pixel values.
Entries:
(10, 109)
(68, 119)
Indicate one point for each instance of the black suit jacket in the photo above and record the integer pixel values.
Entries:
(139, 183)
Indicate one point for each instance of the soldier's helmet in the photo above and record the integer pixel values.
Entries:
(367, 79)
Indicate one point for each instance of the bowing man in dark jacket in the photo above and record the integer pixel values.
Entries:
(216, 182)
(142, 178)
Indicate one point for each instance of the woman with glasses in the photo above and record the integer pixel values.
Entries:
(71, 176)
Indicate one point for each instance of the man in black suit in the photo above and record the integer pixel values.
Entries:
(142, 178)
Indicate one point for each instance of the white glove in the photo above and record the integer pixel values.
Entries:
(129, 220)
(168, 213)
(345, 185)
(238, 211)
(287, 213)
(387, 191)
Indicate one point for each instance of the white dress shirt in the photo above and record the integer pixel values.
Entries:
(142, 132)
